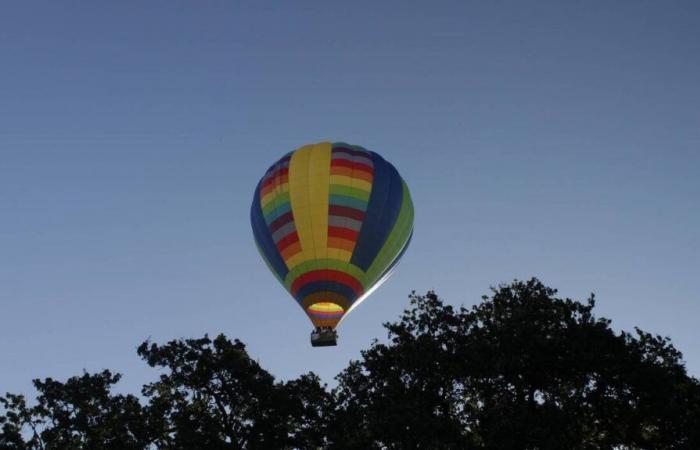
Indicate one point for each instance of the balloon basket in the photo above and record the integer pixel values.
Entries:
(324, 338)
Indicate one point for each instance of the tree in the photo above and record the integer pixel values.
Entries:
(523, 369)
(214, 396)
(81, 413)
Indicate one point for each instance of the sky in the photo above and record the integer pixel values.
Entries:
(552, 139)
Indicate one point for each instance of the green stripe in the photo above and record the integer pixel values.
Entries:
(276, 201)
(395, 242)
(348, 191)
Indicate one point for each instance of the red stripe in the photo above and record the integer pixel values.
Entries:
(345, 211)
(327, 275)
(352, 152)
(352, 165)
(281, 173)
(277, 172)
(281, 221)
(287, 240)
(344, 233)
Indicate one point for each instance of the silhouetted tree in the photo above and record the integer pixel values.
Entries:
(521, 370)
(214, 396)
(81, 413)
(524, 369)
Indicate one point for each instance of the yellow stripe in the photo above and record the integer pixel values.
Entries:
(319, 174)
(358, 183)
(343, 255)
(274, 193)
(309, 172)
(296, 259)
(299, 198)
(325, 307)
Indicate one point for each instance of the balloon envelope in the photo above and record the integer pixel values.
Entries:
(331, 221)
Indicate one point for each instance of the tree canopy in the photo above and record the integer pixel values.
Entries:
(523, 369)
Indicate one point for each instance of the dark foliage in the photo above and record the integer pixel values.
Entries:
(521, 370)
(78, 414)
(214, 396)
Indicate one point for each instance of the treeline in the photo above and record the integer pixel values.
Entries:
(523, 369)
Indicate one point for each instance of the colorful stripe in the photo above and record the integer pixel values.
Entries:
(331, 222)
(325, 314)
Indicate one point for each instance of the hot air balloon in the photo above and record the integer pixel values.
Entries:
(331, 220)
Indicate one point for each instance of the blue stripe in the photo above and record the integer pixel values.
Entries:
(382, 211)
(275, 213)
(352, 202)
(320, 315)
(264, 238)
(330, 286)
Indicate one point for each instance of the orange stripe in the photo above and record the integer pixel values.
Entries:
(291, 250)
(347, 172)
(319, 322)
(340, 170)
(279, 182)
(341, 243)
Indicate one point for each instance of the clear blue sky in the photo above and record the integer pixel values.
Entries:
(551, 139)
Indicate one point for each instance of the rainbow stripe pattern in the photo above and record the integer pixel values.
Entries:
(331, 221)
